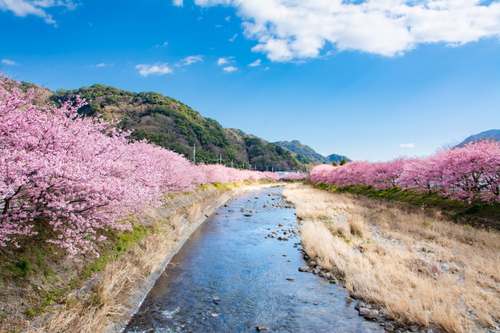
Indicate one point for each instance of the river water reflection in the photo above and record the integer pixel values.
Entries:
(228, 277)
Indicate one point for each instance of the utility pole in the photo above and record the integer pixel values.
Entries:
(231, 163)
(194, 153)
(220, 158)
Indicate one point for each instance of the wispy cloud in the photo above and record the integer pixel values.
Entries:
(191, 60)
(227, 18)
(234, 37)
(230, 69)
(9, 62)
(104, 65)
(157, 69)
(407, 145)
(178, 3)
(226, 60)
(287, 30)
(255, 63)
(24, 8)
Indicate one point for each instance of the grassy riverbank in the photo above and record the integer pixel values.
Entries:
(43, 291)
(419, 267)
(479, 214)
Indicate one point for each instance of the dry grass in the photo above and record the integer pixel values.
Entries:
(118, 291)
(421, 270)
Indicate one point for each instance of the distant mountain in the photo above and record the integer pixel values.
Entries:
(173, 125)
(337, 158)
(493, 135)
(306, 154)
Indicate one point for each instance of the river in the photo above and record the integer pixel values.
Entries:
(231, 277)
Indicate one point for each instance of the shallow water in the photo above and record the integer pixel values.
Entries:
(228, 277)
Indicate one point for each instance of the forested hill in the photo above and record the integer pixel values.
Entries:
(306, 154)
(171, 124)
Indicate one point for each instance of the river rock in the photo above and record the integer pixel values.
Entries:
(413, 328)
(363, 311)
(389, 328)
(372, 314)
(261, 328)
(280, 224)
(304, 269)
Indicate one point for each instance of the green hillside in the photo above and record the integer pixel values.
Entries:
(169, 123)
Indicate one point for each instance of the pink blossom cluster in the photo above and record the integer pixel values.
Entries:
(78, 176)
(470, 173)
(295, 176)
(218, 173)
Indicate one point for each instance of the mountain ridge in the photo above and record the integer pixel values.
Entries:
(305, 154)
(172, 124)
(493, 134)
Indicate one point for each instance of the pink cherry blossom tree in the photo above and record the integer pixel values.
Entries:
(79, 176)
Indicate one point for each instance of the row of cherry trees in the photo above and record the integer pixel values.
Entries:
(470, 173)
(80, 175)
(295, 176)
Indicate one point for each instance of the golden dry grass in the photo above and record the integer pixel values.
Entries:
(422, 270)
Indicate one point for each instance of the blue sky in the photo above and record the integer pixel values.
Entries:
(372, 80)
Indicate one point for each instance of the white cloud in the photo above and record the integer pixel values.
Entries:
(223, 61)
(191, 60)
(293, 29)
(234, 37)
(255, 63)
(178, 3)
(158, 69)
(24, 8)
(218, 26)
(230, 69)
(407, 145)
(227, 18)
(9, 62)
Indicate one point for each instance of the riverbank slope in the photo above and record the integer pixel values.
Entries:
(100, 295)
